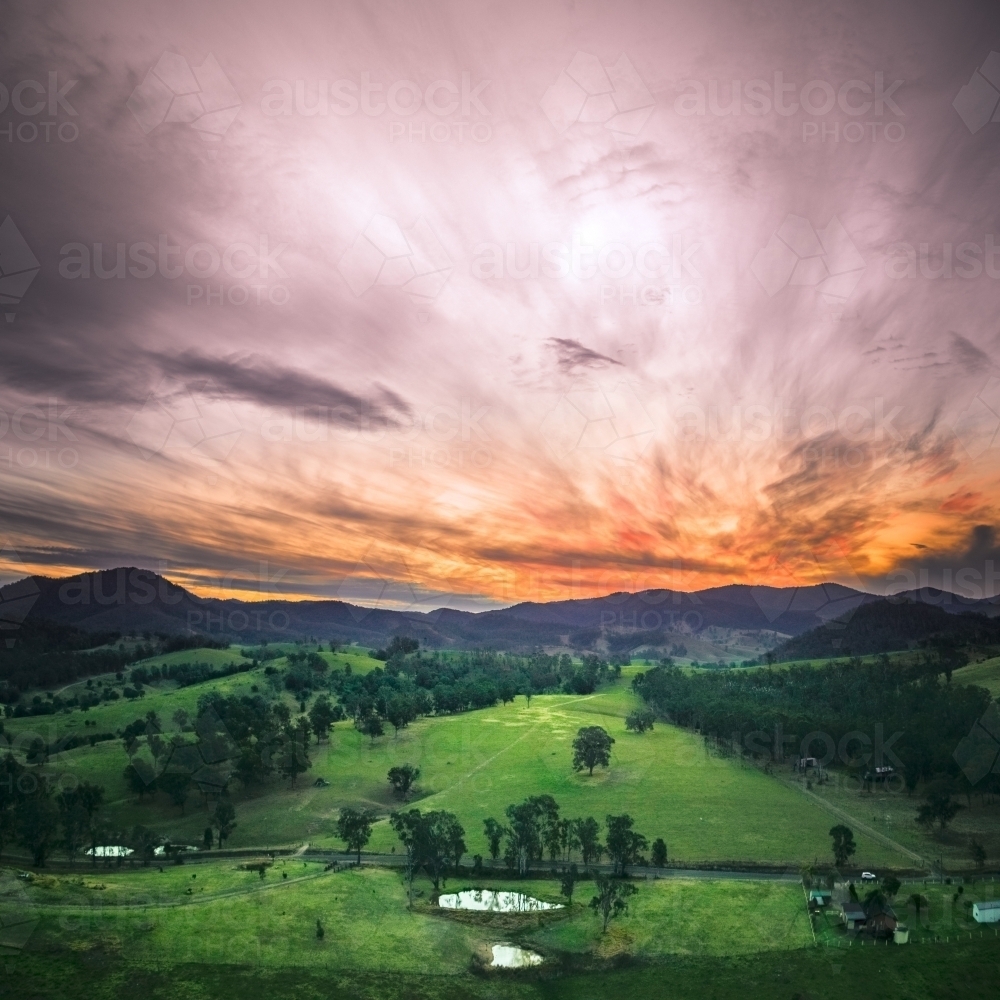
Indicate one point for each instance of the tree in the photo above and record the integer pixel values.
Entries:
(207, 839)
(938, 805)
(442, 835)
(402, 778)
(591, 747)
(354, 827)
(659, 852)
(624, 845)
(303, 729)
(454, 835)
(548, 824)
(588, 836)
(409, 830)
(144, 842)
(843, 844)
(432, 841)
(507, 690)
(11, 771)
(494, 833)
(224, 819)
(640, 720)
(37, 824)
(176, 784)
(91, 797)
(891, 885)
(400, 711)
(531, 824)
(371, 725)
(568, 883)
(322, 716)
(74, 821)
(293, 751)
(140, 779)
(917, 902)
(978, 853)
(611, 899)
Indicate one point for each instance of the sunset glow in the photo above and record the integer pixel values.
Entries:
(466, 305)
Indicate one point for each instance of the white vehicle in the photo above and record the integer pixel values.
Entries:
(869, 877)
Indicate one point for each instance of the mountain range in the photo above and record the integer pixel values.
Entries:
(131, 600)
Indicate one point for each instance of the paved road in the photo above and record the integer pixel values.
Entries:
(790, 873)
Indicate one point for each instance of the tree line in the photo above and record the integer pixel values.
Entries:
(878, 699)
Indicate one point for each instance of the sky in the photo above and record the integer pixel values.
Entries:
(463, 304)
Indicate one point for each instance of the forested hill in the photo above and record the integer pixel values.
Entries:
(135, 601)
(887, 625)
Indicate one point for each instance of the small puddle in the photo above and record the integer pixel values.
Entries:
(495, 902)
(509, 956)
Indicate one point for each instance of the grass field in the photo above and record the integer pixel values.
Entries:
(476, 763)
(706, 808)
(680, 940)
(217, 913)
(165, 697)
(985, 674)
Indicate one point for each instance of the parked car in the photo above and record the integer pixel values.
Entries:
(869, 877)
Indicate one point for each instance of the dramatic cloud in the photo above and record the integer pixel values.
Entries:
(472, 303)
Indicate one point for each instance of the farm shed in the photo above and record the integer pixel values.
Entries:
(986, 913)
(820, 897)
(882, 922)
(854, 915)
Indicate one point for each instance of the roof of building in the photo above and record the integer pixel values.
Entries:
(990, 904)
(854, 910)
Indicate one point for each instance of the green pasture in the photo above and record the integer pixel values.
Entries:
(232, 916)
(984, 674)
(893, 813)
(687, 917)
(474, 764)
(165, 697)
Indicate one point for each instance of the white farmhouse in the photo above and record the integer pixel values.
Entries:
(986, 913)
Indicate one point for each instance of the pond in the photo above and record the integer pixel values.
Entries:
(109, 851)
(509, 956)
(495, 902)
